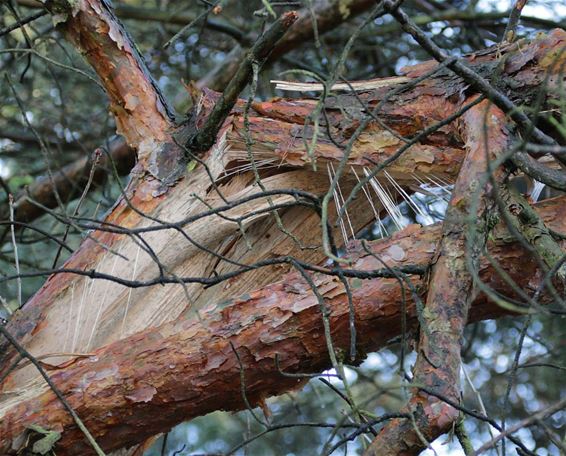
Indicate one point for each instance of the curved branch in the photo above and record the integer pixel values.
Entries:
(278, 133)
(450, 292)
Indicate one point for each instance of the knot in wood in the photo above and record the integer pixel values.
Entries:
(515, 209)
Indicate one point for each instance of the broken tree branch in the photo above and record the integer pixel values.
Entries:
(463, 70)
(156, 378)
(277, 131)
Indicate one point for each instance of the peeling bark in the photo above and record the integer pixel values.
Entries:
(130, 379)
(278, 132)
(145, 384)
(140, 110)
(450, 291)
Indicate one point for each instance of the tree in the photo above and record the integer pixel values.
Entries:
(160, 316)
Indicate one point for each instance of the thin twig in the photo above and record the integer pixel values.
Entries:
(97, 155)
(541, 414)
(22, 22)
(511, 30)
(16, 258)
(501, 100)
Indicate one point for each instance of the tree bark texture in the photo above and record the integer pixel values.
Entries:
(153, 357)
(146, 383)
(450, 292)
(278, 134)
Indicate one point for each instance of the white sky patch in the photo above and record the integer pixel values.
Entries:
(4, 171)
(351, 376)
(552, 11)
(542, 9)
(441, 449)
(373, 361)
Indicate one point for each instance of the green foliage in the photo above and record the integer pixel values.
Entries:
(45, 444)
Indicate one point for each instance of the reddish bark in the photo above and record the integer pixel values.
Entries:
(450, 291)
(145, 384)
(277, 131)
(138, 107)
(141, 115)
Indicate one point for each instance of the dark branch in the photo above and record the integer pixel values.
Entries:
(206, 136)
(470, 76)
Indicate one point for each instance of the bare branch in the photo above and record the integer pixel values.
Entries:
(206, 136)
(450, 292)
(171, 373)
(469, 75)
(69, 181)
(141, 112)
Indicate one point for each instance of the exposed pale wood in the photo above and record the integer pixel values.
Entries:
(358, 86)
(278, 132)
(63, 298)
(50, 321)
(163, 375)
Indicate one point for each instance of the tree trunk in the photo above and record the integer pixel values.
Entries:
(146, 383)
(131, 293)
